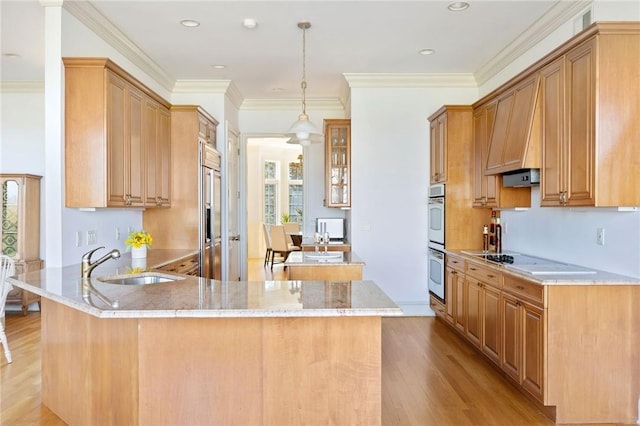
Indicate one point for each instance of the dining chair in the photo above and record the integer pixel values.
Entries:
(267, 242)
(292, 229)
(280, 244)
(7, 269)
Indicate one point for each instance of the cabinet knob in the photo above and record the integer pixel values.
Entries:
(519, 287)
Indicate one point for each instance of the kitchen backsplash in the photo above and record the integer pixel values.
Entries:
(570, 235)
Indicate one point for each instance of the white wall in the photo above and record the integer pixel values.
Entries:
(22, 138)
(390, 162)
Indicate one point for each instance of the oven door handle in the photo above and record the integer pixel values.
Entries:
(438, 200)
(436, 254)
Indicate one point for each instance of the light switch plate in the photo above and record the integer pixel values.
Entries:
(91, 238)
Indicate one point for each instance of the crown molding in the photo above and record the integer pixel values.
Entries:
(558, 14)
(201, 86)
(95, 21)
(409, 80)
(22, 86)
(325, 104)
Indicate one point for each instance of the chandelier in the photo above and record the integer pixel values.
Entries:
(303, 131)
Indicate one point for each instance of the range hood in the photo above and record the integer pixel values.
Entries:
(521, 178)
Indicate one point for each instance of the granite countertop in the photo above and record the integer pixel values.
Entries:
(597, 277)
(200, 297)
(322, 258)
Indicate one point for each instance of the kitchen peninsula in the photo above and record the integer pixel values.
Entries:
(324, 265)
(199, 351)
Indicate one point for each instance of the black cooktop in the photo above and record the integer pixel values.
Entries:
(499, 258)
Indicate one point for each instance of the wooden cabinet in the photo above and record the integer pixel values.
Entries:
(452, 143)
(337, 160)
(589, 96)
(455, 292)
(114, 129)
(487, 189)
(483, 309)
(157, 142)
(438, 149)
(20, 230)
(523, 333)
(512, 146)
(188, 125)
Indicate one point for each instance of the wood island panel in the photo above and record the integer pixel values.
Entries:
(593, 362)
(203, 371)
(339, 272)
(89, 366)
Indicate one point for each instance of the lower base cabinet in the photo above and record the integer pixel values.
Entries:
(507, 327)
(522, 356)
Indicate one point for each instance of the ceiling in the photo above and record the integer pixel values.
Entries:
(346, 37)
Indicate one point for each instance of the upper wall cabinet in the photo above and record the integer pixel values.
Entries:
(511, 146)
(438, 149)
(590, 104)
(337, 160)
(117, 138)
(487, 189)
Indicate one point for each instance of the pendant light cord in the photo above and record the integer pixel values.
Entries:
(304, 69)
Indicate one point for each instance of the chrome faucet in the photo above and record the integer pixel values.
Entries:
(87, 266)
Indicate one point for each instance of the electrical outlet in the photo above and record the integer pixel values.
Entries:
(117, 233)
(600, 236)
(504, 228)
(78, 238)
(91, 238)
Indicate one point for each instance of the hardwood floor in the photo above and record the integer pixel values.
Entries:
(429, 375)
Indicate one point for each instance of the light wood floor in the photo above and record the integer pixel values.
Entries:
(429, 376)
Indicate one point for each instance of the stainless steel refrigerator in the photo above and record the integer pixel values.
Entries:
(210, 208)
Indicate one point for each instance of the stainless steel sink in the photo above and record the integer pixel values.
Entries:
(140, 279)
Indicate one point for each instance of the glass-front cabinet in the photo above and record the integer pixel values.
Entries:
(337, 159)
(20, 230)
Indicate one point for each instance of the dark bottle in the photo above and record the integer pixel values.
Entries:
(498, 238)
(492, 228)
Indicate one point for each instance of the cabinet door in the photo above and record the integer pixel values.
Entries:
(163, 157)
(532, 349)
(485, 187)
(460, 303)
(338, 163)
(150, 134)
(552, 95)
(450, 295)
(116, 141)
(510, 358)
(474, 310)
(490, 342)
(438, 150)
(135, 148)
(580, 161)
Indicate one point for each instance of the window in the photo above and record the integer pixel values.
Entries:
(271, 183)
(295, 191)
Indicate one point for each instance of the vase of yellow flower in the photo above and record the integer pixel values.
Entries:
(138, 241)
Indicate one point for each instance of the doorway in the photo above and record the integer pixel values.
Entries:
(275, 187)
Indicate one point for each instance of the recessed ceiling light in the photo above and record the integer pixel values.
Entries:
(458, 6)
(249, 23)
(190, 23)
(426, 51)
(219, 66)
(11, 55)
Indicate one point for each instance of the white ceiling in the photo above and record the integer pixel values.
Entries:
(266, 62)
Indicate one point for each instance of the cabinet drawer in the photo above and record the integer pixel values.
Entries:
(437, 306)
(456, 263)
(523, 288)
(485, 274)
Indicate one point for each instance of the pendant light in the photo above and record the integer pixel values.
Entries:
(303, 131)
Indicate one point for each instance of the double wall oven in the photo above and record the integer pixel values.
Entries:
(436, 241)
